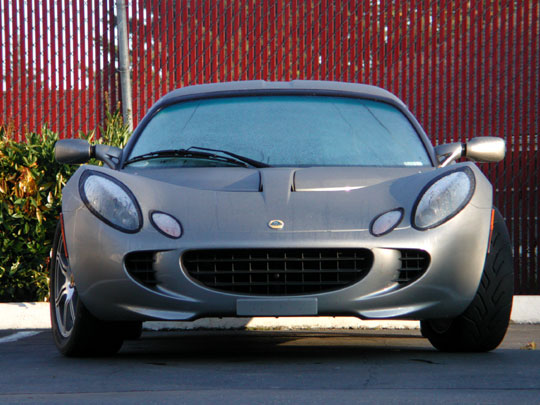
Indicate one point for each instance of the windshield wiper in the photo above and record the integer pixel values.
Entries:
(191, 154)
(249, 161)
(185, 153)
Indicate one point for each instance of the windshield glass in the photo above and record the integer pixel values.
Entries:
(288, 131)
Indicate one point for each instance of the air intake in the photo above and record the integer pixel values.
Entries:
(414, 264)
(278, 271)
(140, 266)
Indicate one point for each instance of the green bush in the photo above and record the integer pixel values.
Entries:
(31, 184)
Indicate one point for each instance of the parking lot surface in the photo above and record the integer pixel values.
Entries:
(271, 367)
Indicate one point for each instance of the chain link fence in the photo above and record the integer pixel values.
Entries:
(464, 68)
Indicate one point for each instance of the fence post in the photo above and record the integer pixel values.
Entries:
(123, 65)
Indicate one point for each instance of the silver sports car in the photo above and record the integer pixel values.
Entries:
(302, 198)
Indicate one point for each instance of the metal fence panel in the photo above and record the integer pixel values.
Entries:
(57, 64)
(465, 68)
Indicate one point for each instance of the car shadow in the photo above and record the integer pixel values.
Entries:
(162, 348)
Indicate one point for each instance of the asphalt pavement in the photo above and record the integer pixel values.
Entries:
(271, 367)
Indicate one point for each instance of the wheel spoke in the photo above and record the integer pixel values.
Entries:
(71, 309)
(64, 310)
(62, 293)
(61, 263)
(65, 295)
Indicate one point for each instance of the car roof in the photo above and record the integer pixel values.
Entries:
(261, 86)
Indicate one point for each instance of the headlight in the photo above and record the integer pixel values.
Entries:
(386, 222)
(443, 198)
(110, 201)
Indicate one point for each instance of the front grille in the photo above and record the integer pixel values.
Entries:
(278, 271)
(140, 266)
(414, 264)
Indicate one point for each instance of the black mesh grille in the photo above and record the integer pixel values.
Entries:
(140, 265)
(414, 264)
(278, 271)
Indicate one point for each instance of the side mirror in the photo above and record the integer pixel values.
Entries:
(110, 155)
(485, 149)
(72, 151)
(482, 149)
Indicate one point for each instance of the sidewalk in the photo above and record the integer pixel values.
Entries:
(35, 315)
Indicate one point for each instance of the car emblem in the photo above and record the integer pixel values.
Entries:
(276, 224)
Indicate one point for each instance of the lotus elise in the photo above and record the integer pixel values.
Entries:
(302, 198)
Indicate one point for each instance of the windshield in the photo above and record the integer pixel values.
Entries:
(287, 131)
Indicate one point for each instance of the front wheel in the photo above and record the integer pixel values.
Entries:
(75, 330)
(482, 326)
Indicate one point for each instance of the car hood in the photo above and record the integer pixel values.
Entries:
(305, 199)
(240, 200)
(298, 179)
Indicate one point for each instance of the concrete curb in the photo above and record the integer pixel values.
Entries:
(35, 315)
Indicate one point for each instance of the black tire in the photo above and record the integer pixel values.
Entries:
(482, 326)
(131, 330)
(76, 332)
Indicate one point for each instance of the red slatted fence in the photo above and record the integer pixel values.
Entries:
(465, 68)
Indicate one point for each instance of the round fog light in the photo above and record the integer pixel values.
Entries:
(386, 222)
(166, 224)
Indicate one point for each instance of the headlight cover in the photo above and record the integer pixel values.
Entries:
(386, 222)
(111, 201)
(443, 198)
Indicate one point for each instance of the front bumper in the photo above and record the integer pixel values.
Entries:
(457, 252)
